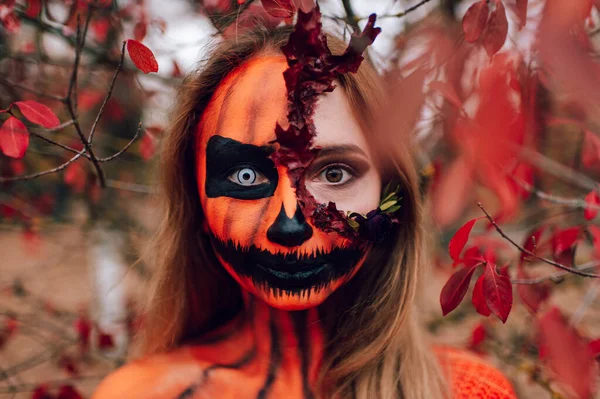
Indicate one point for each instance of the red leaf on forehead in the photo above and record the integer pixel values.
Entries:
(311, 71)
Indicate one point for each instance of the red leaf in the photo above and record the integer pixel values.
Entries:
(532, 241)
(477, 337)
(147, 147)
(497, 290)
(83, 327)
(455, 289)
(460, 238)
(176, 70)
(279, 8)
(105, 341)
(590, 150)
(497, 30)
(68, 392)
(593, 200)
(595, 347)
(14, 138)
(139, 31)
(142, 56)
(520, 10)
(33, 8)
(567, 353)
(75, 177)
(532, 295)
(100, 28)
(448, 91)
(68, 364)
(41, 392)
(472, 257)
(474, 21)
(479, 300)
(564, 239)
(38, 113)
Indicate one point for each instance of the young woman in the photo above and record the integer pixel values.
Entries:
(250, 298)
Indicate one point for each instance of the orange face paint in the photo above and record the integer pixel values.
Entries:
(257, 228)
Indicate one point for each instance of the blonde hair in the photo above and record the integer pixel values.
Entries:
(375, 345)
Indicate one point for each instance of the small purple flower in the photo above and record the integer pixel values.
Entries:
(376, 227)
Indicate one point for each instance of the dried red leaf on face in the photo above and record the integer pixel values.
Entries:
(142, 56)
(105, 341)
(478, 298)
(448, 91)
(68, 392)
(455, 289)
(497, 290)
(42, 392)
(38, 113)
(567, 353)
(14, 138)
(592, 200)
(460, 238)
(475, 20)
(279, 8)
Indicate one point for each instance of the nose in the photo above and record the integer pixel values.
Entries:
(289, 232)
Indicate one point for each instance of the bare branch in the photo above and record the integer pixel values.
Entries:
(527, 252)
(137, 133)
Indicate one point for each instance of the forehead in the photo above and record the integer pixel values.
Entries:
(248, 103)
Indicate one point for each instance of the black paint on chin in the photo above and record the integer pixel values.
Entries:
(288, 273)
(224, 156)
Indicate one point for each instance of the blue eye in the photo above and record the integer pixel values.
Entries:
(247, 177)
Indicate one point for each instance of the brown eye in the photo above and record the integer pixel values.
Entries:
(334, 175)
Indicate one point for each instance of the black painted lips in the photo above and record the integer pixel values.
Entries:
(290, 272)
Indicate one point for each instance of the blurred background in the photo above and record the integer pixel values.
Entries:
(500, 97)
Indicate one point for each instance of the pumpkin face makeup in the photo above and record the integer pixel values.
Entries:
(257, 228)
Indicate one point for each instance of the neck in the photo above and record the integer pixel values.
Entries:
(291, 341)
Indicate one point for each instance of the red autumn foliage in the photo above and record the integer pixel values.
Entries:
(567, 354)
(459, 240)
(497, 290)
(456, 288)
(593, 201)
(42, 392)
(486, 25)
(147, 147)
(76, 177)
(38, 113)
(14, 138)
(478, 336)
(105, 341)
(142, 56)
(479, 299)
(83, 328)
(68, 392)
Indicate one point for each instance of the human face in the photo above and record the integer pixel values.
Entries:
(257, 228)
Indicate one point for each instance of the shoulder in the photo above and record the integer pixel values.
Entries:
(155, 377)
(472, 377)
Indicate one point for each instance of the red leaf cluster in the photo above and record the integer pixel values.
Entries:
(567, 353)
(14, 136)
(593, 201)
(312, 68)
(486, 25)
(492, 293)
(142, 56)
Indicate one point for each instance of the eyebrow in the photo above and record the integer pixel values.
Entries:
(339, 149)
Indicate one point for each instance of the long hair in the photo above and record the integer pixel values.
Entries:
(375, 345)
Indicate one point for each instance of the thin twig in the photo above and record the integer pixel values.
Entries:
(108, 94)
(350, 15)
(137, 133)
(33, 91)
(56, 143)
(555, 277)
(527, 252)
(556, 199)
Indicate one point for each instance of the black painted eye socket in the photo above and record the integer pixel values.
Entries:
(237, 170)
